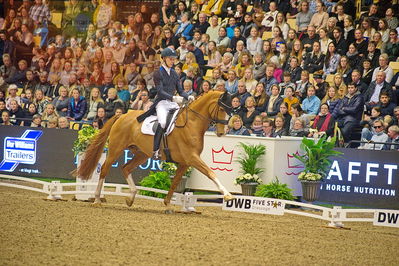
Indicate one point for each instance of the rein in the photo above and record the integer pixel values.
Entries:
(211, 120)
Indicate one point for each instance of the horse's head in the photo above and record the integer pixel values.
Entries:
(223, 108)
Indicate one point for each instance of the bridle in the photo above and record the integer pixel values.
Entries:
(214, 119)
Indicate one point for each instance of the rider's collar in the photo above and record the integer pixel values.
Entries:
(167, 69)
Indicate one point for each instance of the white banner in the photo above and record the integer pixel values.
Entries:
(386, 218)
(221, 154)
(255, 205)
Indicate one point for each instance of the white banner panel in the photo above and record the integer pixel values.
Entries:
(221, 153)
(386, 218)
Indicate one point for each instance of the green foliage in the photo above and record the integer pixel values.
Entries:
(171, 168)
(159, 180)
(250, 157)
(317, 155)
(275, 190)
(85, 135)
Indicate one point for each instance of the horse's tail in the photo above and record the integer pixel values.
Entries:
(93, 152)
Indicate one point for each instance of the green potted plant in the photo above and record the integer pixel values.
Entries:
(171, 168)
(274, 189)
(316, 161)
(159, 180)
(85, 135)
(248, 160)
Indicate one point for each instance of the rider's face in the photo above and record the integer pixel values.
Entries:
(169, 61)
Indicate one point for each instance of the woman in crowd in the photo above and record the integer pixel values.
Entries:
(48, 114)
(279, 129)
(61, 102)
(332, 60)
(332, 99)
(282, 24)
(297, 112)
(256, 127)
(236, 127)
(112, 103)
(29, 113)
(290, 98)
(244, 62)
(267, 51)
(15, 113)
(95, 101)
(367, 28)
(274, 102)
(237, 108)
(40, 101)
(367, 71)
(248, 79)
(254, 42)
(297, 50)
(324, 40)
(311, 104)
(298, 128)
(261, 98)
(77, 106)
(286, 115)
(323, 123)
(303, 17)
(214, 56)
(5, 118)
(353, 56)
(142, 101)
(248, 116)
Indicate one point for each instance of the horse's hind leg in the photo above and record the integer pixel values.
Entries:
(139, 158)
(200, 165)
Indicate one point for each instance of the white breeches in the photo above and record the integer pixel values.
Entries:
(163, 108)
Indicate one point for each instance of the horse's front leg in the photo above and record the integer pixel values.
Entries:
(200, 165)
(181, 169)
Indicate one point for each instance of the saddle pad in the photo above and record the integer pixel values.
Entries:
(148, 128)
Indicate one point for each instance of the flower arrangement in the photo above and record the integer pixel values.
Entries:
(247, 178)
(85, 135)
(248, 163)
(316, 158)
(171, 168)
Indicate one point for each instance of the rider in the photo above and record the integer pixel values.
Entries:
(167, 83)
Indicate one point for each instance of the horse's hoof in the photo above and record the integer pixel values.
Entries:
(96, 204)
(228, 197)
(129, 202)
(169, 211)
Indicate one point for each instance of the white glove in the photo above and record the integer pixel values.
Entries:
(178, 99)
(191, 98)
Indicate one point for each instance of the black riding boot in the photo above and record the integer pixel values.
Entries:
(157, 142)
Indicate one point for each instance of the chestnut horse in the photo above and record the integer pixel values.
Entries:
(185, 143)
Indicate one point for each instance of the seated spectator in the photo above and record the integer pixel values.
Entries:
(254, 42)
(298, 128)
(372, 95)
(303, 17)
(259, 66)
(324, 41)
(5, 118)
(286, 83)
(309, 38)
(123, 90)
(392, 47)
(356, 78)
(43, 84)
(311, 104)
(267, 128)
(302, 85)
(279, 129)
(250, 82)
(320, 85)
(320, 18)
(94, 102)
(332, 60)
(261, 98)
(48, 114)
(226, 64)
(250, 112)
(289, 98)
(236, 127)
(353, 57)
(269, 79)
(294, 69)
(237, 42)
(373, 54)
(360, 43)
(7, 70)
(350, 111)
(256, 127)
(222, 42)
(368, 121)
(29, 112)
(112, 102)
(286, 115)
(323, 123)
(272, 106)
(12, 95)
(63, 123)
(244, 62)
(61, 102)
(232, 82)
(297, 112)
(142, 101)
(242, 93)
(77, 106)
(237, 108)
(377, 136)
(20, 75)
(15, 113)
(52, 123)
(367, 72)
(40, 101)
(333, 100)
(188, 87)
(386, 105)
(214, 56)
(393, 133)
(314, 61)
(384, 67)
(185, 27)
(339, 85)
(344, 69)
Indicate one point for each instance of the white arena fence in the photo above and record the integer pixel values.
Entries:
(335, 216)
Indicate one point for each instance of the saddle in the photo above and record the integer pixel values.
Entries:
(150, 125)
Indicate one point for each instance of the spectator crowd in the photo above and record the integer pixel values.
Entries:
(293, 68)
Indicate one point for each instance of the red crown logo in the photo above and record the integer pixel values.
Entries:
(293, 163)
(222, 156)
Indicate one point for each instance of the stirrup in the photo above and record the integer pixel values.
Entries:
(156, 155)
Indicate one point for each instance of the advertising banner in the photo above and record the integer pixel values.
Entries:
(48, 153)
(364, 178)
